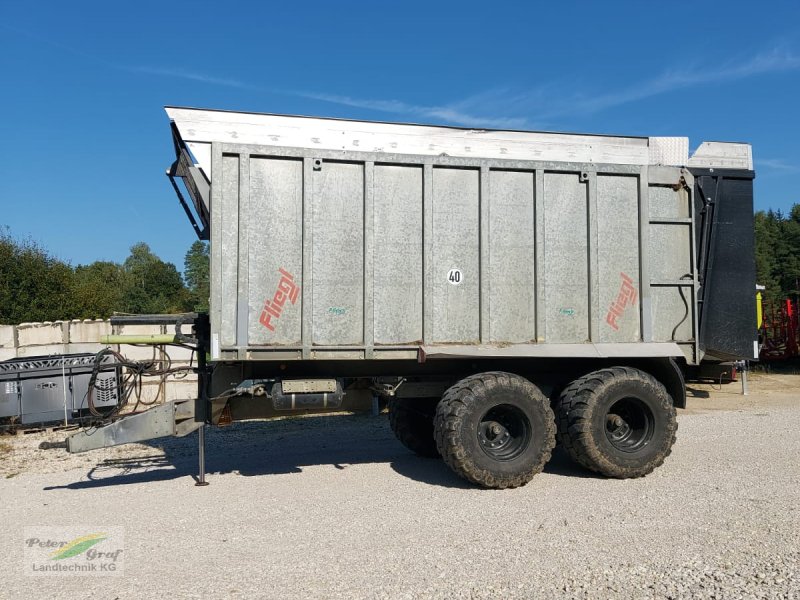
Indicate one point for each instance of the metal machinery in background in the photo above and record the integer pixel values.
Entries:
(46, 389)
(178, 417)
(780, 331)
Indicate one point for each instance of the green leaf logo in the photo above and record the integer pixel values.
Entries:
(78, 546)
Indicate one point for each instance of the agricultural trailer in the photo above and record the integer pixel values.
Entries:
(502, 291)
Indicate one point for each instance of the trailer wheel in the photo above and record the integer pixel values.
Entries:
(495, 429)
(411, 420)
(619, 422)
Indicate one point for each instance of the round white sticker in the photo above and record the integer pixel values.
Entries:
(454, 277)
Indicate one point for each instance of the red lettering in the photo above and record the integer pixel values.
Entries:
(626, 297)
(293, 293)
(287, 288)
(266, 320)
(268, 307)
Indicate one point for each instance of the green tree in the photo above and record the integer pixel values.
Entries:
(767, 265)
(196, 273)
(790, 258)
(152, 285)
(99, 289)
(34, 285)
(778, 253)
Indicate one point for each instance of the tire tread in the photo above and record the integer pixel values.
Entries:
(451, 413)
(411, 427)
(574, 421)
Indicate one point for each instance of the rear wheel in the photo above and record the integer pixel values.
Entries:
(411, 420)
(619, 422)
(495, 429)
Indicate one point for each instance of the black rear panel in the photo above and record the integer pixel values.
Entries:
(723, 201)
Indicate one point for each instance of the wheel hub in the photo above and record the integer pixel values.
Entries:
(493, 434)
(617, 427)
(504, 432)
(629, 425)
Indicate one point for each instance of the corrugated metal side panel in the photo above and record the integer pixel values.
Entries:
(276, 250)
(456, 245)
(351, 253)
(669, 247)
(669, 312)
(228, 213)
(618, 258)
(566, 258)
(666, 203)
(338, 254)
(512, 266)
(397, 287)
(672, 274)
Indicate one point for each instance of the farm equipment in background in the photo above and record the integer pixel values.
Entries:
(779, 331)
(70, 388)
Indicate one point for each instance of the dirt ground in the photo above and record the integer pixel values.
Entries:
(335, 507)
(20, 453)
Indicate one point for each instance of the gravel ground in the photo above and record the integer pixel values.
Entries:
(334, 507)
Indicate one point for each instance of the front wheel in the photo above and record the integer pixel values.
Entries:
(619, 422)
(495, 429)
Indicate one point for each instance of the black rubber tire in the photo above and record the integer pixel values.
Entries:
(584, 416)
(411, 420)
(460, 415)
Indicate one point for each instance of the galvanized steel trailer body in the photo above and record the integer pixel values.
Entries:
(563, 245)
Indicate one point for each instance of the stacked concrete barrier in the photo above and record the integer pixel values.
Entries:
(74, 337)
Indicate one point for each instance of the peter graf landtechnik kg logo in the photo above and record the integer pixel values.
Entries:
(73, 551)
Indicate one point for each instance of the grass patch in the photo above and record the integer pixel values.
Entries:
(5, 448)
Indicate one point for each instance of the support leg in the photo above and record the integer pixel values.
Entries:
(202, 332)
(745, 388)
(201, 477)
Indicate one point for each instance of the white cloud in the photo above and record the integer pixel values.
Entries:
(452, 113)
(539, 105)
(553, 101)
(778, 164)
(776, 60)
(192, 76)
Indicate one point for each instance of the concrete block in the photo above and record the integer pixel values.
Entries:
(7, 353)
(88, 331)
(180, 355)
(82, 348)
(8, 335)
(181, 390)
(44, 350)
(138, 352)
(42, 334)
(140, 329)
(149, 393)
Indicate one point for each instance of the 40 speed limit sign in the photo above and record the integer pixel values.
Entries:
(455, 277)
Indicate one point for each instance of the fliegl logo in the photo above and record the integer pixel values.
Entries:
(66, 551)
(626, 297)
(287, 290)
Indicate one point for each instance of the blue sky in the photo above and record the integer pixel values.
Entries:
(84, 141)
